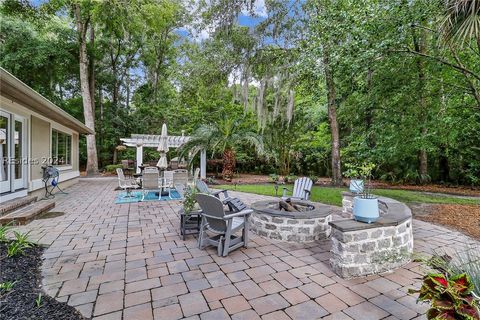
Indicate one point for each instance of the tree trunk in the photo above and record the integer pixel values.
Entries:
(443, 165)
(91, 68)
(332, 117)
(422, 153)
(228, 164)
(369, 111)
(88, 103)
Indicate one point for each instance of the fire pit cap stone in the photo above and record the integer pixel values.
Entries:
(317, 210)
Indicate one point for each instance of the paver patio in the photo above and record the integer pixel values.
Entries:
(128, 261)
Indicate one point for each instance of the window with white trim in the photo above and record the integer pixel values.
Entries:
(61, 148)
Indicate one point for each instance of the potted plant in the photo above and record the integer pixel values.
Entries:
(365, 204)
(189, 202)
(356, 183)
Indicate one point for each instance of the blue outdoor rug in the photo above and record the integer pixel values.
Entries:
(136, 196)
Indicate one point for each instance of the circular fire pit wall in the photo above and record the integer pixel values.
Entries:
(309, 223)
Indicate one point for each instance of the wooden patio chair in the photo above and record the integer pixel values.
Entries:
(223, 224)
(302, 189)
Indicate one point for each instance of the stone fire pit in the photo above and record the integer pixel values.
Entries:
(309, 221)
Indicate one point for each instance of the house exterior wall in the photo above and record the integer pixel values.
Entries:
(39, 139)
(40, 146)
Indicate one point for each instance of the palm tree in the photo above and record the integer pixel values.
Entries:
(462, 20)
(224, 137)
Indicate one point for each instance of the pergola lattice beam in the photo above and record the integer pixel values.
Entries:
(140, 141)
(152, 140)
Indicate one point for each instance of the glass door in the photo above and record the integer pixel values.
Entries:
(5, 177)
(19, 154)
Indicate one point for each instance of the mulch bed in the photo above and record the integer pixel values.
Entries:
(464, 218)
(19, 303)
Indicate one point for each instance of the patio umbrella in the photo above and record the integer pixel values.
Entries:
(163, 148)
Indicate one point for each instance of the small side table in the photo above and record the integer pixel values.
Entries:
(190, 223)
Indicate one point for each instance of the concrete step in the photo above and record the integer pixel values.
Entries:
(27, 213)
(15, 204)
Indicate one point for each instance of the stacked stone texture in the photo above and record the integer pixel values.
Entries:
(290, 229)
(375, 248)
(370, 251)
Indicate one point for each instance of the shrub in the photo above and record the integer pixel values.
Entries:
(314, 178)
(112, 168)
(274, 177)
(290, 178)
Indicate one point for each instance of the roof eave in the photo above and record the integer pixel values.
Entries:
(11, 85)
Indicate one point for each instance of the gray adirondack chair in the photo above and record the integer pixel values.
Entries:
(302, 188)
(234, 204)
(223, 224)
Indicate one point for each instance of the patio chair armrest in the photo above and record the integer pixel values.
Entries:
(216, 193)
(242, 213)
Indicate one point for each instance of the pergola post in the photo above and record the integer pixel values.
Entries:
(139, 157)
(203, 164)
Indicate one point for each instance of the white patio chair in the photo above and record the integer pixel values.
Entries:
(168, 178)
(126, 184)
(196, 175)
(180, 176)
(150, 181)
(302, 189)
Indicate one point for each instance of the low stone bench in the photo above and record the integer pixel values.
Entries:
(360, 249)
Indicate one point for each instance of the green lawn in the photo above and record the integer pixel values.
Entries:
(330, 195)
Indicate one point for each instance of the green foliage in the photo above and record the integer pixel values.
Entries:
(111, 168)
(462, 260)
(189, 200)
(363, 172)
(290, 178)
(406, 77)
(449, 289)
(7, 286)
(3, 231)
(274, 177)
(450, 296)
(17, 246)
(38, 300)
(314, 178)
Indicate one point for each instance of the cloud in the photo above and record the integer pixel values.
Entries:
(260, 9)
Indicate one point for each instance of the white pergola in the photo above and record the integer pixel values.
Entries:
(140, 141)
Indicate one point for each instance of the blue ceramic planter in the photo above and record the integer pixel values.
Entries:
(365, 210)
(356, 186)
